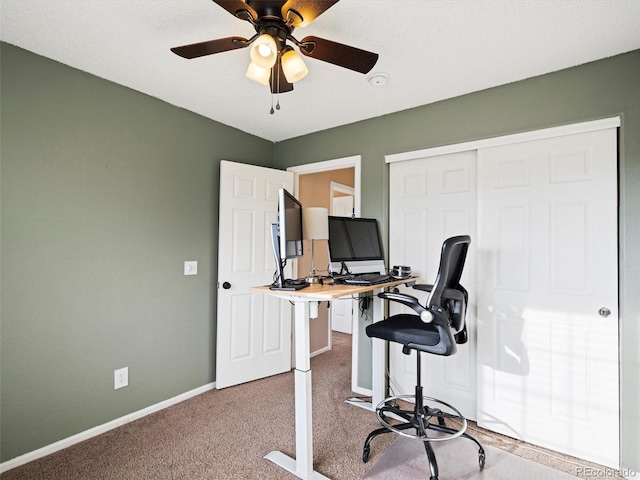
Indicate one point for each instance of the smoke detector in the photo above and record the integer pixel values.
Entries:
(377, 79)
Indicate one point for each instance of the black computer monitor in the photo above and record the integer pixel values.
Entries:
(354, 239)
(286, 237)
(289, 225)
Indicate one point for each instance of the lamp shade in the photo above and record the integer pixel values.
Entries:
(264, 51)
(315, 223)
(258, 74)
(292, 65)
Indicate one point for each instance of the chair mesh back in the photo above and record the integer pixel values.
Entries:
(452, 258)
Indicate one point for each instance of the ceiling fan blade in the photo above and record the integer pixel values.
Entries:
(237, 8)
(338, 54)
(209, 47)
(278, 81)
(303, 12)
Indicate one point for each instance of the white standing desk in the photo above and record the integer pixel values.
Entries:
(304, 301)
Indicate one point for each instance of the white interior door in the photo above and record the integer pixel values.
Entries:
(432, 199)
(254, 330)
(547, 250)
(342, 313)
(342, 206)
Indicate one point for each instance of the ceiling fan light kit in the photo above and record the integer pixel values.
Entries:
(293, 65)
(264, 51)
(258, 74)
(272, 60)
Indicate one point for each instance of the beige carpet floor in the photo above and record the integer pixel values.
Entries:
(224, 434)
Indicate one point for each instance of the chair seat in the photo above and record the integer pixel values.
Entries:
(406, 329)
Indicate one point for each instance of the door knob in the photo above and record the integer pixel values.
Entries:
(226, 285)
(604, 312)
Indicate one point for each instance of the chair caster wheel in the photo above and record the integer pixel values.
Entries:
(365, 454)
(481, 458)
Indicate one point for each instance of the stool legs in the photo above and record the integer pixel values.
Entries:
(419, 419)
(433, 463)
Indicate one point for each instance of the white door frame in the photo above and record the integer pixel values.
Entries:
(613, 122)
(328, 165)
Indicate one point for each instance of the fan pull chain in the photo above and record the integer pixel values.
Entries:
(278, 89)
(272, 111)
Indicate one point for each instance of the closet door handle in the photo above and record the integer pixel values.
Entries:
(604, 312)
(226, 285)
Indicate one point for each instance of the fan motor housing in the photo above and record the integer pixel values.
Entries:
(279, 32)
(267, 9)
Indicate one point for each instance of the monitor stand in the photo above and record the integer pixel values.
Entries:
(281, 283)
(363, 266)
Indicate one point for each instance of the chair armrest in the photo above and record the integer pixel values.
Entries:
(424, 287)
(412, 302)
(403, 298)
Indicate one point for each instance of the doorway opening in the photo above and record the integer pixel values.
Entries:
(335, 185)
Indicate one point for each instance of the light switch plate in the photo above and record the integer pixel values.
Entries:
(191, 267)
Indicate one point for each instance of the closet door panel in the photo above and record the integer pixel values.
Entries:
(548, 360)
(432, 199)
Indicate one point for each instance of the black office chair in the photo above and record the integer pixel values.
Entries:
(435, 328)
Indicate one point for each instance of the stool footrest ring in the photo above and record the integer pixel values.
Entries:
(429, 423)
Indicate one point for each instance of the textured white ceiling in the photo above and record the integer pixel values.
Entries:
(430, 49)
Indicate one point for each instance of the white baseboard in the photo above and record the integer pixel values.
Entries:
(100, 429)
(319, 351)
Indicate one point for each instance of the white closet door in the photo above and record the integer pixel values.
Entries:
(432, 199)
(548, 264)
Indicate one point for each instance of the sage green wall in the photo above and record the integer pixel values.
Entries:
(105, 192)
(601, 89)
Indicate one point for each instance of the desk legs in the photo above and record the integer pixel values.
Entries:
(378, 357)
(302, 465)
(378, 362)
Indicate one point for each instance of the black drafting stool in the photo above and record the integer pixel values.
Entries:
(435, 328)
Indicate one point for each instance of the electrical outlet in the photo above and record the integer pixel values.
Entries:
(120, 378)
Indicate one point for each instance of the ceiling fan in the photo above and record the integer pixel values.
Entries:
(273, 61)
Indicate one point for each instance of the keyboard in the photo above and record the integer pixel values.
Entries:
(366, 279)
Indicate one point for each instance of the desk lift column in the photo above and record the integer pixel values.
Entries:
(302, 465)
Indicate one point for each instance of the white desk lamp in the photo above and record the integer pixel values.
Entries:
(315, 226)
